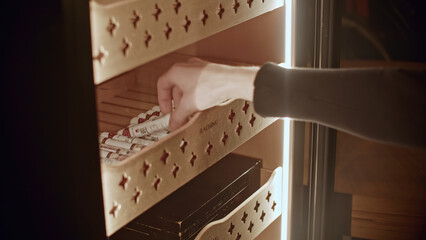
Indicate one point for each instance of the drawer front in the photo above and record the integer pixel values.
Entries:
(147, 177)
(126, 34)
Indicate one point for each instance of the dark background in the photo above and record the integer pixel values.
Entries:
(392, 30)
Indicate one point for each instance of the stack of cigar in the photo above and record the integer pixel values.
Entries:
(143, 131)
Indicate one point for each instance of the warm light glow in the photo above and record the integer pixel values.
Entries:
(286, 141)
(286, 174)
(288, 34)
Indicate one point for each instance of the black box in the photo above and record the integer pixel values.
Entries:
(208, 197)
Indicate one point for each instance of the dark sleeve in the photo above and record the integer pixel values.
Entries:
(382, 104)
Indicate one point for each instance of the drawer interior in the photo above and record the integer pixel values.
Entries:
(123, 97)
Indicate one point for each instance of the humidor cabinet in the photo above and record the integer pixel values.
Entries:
(54, 185)
(133, 43)
(61, 80)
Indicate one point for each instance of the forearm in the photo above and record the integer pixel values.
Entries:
(382, 104)
(222, 82)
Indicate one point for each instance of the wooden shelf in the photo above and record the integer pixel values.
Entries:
(126, 34)
(222, 129)
(132, 45)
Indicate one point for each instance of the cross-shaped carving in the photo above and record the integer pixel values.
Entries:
(245, 107)
(256, 207)
(252, 119)
(183, 145)
(236, 6)
(101, 55)
(250, 228)
(220, 11)
(192, 160)
(231, 116)
(157, 12)
(243, 219)
(145, 167)
(268, 196)
(224, 138)
(157, 182)
(262, 216)
(115, 208)
(135, 19)
(187, 24)
(126, 47)
(167, 31)
(204, 18)
(148, 38)
(239, 128)
(124, 180)
(231, 228)
(176, 6)
(209, 148)
(273, 206)
(165, 156)
(175, 170)
(137, 195)
(249, 2)
(112, 26)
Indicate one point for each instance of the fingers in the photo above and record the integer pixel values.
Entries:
(180, 116)
(168, 92)
(177, 95)
(178, 85)
(164, 90)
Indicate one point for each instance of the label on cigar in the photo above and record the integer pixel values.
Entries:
(137, 120)
(153, 115)
(109, 161)
(145, 117)
(156, 136)
(136, 147)
(127, 139)
(124, 132)
(115, 149)
(121, 144)
(111, 155)
(148, 127)
(141, 141)
(107, 148)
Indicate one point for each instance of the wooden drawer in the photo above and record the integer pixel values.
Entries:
(126, 34)
(133, 43)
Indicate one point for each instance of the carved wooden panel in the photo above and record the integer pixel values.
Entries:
(143, 179)
(126, 34)
(252, 216)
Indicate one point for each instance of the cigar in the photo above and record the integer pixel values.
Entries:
(156, 136)
(111, 155)
(109, 161)
(113, 149)
(152, 114)
(155, 111)
(140, 141)
(139, 119)
(148, 127)
(120, 144)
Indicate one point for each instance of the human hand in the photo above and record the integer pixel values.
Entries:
(197, 85)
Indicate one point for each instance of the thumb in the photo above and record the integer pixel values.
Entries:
(180, 116)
